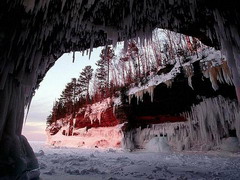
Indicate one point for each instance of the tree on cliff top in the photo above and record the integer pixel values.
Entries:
(69, 96)
(84, 80)
(103, 70)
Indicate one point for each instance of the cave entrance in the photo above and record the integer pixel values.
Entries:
(156, 83)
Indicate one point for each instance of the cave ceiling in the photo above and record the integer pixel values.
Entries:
(35, 33)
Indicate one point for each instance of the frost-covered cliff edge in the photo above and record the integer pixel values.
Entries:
(94, 125)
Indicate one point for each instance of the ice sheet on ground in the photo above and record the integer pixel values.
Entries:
(76, 163)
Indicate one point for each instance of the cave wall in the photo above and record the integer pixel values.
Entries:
(35, 33)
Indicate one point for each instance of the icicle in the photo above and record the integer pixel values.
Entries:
(29, 5)
(217, 73)
(73, 56)
(125, 47)
(226, 73)
(209, 113)
(237, 123)
(28, 108)
(74, 122)
(168, 83)
(139, 96)
(79, 2)
(131, 5)
(130, 98)
(63, 4)
(92, 118)
(150, 91)
(207, 124)
(99, 115)
(114, 109)
(189, 73)
(213, 73)
(91, 46)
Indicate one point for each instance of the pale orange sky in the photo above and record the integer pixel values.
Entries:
(34, 131)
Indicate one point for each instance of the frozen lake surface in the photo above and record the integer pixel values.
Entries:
(73, 163)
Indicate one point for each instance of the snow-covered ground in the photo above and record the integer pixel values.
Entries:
(75, 163)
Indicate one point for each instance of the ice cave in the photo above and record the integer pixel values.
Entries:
(35, 33)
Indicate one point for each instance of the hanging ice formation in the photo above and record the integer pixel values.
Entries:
(152, 83)
(220, 73)
(94, 111)
(139, 94)
(168, 83)
(213, 66)
(189, 72)
(207, 124)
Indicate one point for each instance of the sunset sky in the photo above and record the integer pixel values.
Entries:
(50, 89)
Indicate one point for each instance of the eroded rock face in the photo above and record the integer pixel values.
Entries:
(34, 34)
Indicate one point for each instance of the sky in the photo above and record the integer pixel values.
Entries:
(50, 89)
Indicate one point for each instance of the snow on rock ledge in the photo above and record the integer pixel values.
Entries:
(94, 111)
(93, 126)
(101, 137)
(213, 65)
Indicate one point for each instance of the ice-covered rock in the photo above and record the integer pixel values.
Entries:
(158, 144)
(206, 126)
(230, 144)
(100, 137)
(39, 153)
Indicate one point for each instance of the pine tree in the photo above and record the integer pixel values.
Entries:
(95, 89)
(49, 120)
(69, 95)
(103, 70)
(101, 75)
(84, 80)
(133, 52)
(107, 55)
